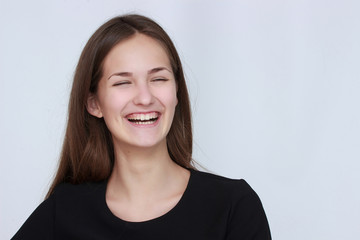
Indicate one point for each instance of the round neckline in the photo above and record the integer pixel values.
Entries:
(172, 211)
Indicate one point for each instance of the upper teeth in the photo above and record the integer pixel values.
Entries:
(142, 116)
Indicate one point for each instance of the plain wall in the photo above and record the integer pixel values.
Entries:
(275, 90)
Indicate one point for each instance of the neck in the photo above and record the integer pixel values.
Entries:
(140, 172)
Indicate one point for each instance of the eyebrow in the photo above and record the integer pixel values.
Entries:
(129, 74)
(121, 74)
(158, 69)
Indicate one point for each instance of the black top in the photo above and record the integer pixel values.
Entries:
(212, 207)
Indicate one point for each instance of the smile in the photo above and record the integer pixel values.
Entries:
(143, 118)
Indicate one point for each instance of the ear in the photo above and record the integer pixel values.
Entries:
(93, 107)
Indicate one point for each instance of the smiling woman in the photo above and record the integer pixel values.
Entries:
(136, 95)
(126, 170)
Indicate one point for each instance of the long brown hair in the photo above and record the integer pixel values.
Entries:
(88, 153)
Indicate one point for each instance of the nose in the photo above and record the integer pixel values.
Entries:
(143, 95)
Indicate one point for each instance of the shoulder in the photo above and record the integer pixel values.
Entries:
(220, 184)
(245, 214)
(236, 194)
(219, 191)
(73, 203)
(75, 191)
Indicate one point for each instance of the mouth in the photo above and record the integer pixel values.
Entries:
(143, 118)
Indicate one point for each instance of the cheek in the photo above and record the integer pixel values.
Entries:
(168, 97)
(112, 103)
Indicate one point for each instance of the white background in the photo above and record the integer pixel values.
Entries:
(275, 90)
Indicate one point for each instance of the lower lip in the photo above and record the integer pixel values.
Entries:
(148, 125)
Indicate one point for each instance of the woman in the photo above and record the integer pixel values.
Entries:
(126, 170)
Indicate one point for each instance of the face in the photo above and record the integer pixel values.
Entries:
(137, 94)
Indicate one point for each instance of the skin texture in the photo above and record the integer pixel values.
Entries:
(138, 80)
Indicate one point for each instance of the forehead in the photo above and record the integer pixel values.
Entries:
(138, 53)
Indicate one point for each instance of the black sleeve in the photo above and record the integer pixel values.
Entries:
(40, 223)
(247, 219)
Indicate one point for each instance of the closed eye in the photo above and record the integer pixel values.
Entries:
(159, 80)
(121, 83)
